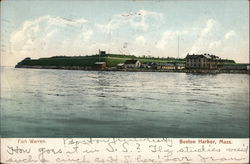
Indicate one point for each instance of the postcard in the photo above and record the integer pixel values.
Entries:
(149, 82)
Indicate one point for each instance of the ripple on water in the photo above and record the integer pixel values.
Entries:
(111, 104)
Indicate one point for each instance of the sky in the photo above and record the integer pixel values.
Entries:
(38, 29)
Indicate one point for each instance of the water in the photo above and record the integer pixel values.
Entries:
(65, 103)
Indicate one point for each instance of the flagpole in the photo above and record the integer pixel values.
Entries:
(178, 45)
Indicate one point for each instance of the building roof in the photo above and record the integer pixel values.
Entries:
(132, 61)
(100, 63)
(208, 56)
(120, 64)
(165, 64)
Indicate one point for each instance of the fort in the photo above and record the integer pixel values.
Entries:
(195, 63)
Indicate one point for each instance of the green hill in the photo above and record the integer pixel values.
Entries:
(111, 59)
(63, 61)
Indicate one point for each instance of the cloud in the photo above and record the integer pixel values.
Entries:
(86, 34)
(168, 37)
(204, 43)
(140, 40)
(213, 39)
(140, 20)
(45, 34)
(206, 38)
(229, 34)
(133, 32)
(215, 44)
(63, 22)
(210, 24)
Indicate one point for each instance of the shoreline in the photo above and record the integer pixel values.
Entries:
(201, 71)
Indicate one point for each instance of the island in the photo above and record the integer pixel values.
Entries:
(192, 63)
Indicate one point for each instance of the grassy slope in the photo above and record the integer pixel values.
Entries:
(112, 60)
(64, 61)
(235, 64)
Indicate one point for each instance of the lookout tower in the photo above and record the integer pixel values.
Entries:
(102, 52)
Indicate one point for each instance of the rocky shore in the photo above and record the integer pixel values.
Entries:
(137, 69)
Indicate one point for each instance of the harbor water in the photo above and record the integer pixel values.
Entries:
(67, 103)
